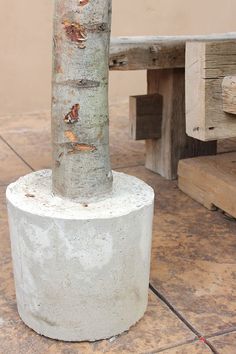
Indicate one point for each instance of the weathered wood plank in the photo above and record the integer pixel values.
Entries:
(154, 52)
(207, 63)
(145, 116)
(210, 180)
(229, 94)
(163, 155)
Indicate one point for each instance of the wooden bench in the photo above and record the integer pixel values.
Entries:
(164, 126)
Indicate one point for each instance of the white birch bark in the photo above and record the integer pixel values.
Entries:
(80, 132)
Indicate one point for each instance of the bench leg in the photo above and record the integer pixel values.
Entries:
(163, 155)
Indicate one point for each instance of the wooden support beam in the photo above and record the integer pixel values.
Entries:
(145, 116)
(210, 180)
(229, 94)
(154, 52)
(207, 63)
(163, 155)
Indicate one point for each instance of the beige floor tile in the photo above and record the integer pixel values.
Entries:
(11, 166)
(192, 348)
(29, 135)
(193, 259)
(225, 344)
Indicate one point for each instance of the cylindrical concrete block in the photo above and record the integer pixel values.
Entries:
(81, 271)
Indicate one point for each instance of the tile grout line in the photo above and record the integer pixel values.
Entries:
(182, 319)
(20, 157)
(163, 350)
(221, 333)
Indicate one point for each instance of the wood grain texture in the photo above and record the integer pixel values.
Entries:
(207, 63)
(145, 116)
(154, 52)
(81, 170)
(210, 180)
(229, 94)
(163, 155)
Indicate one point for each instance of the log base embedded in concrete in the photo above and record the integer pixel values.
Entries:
(81, 271)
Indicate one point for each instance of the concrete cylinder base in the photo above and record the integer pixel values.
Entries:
(81, 271)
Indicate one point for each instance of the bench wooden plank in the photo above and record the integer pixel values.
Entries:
(207, 63)
(163, 155)
(210, 180)
(155, 52)
(145, 115)
(229, 94)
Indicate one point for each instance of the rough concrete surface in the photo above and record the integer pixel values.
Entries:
(81, 270)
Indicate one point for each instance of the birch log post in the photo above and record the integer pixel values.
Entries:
(80, 131)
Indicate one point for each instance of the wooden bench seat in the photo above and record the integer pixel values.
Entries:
(164, 59)
(154, 52)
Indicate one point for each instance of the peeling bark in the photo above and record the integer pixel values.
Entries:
(81, 168)
(73, 115)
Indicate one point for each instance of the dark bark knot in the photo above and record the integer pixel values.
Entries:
(83, 83)
(76, 33)
(73, 115)
(58, 162)
(102, 27)
(97, 27)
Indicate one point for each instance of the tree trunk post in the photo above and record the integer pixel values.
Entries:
(80, 122)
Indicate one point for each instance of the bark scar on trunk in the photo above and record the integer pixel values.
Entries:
(82, 83)
(73, 115)
(76, 146)
(83, 2)
(81, 148)
(76, 33)
(71, 136)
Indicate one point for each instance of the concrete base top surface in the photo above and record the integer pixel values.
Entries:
(33, 194)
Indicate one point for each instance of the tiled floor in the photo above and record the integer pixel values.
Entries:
(192, 307)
